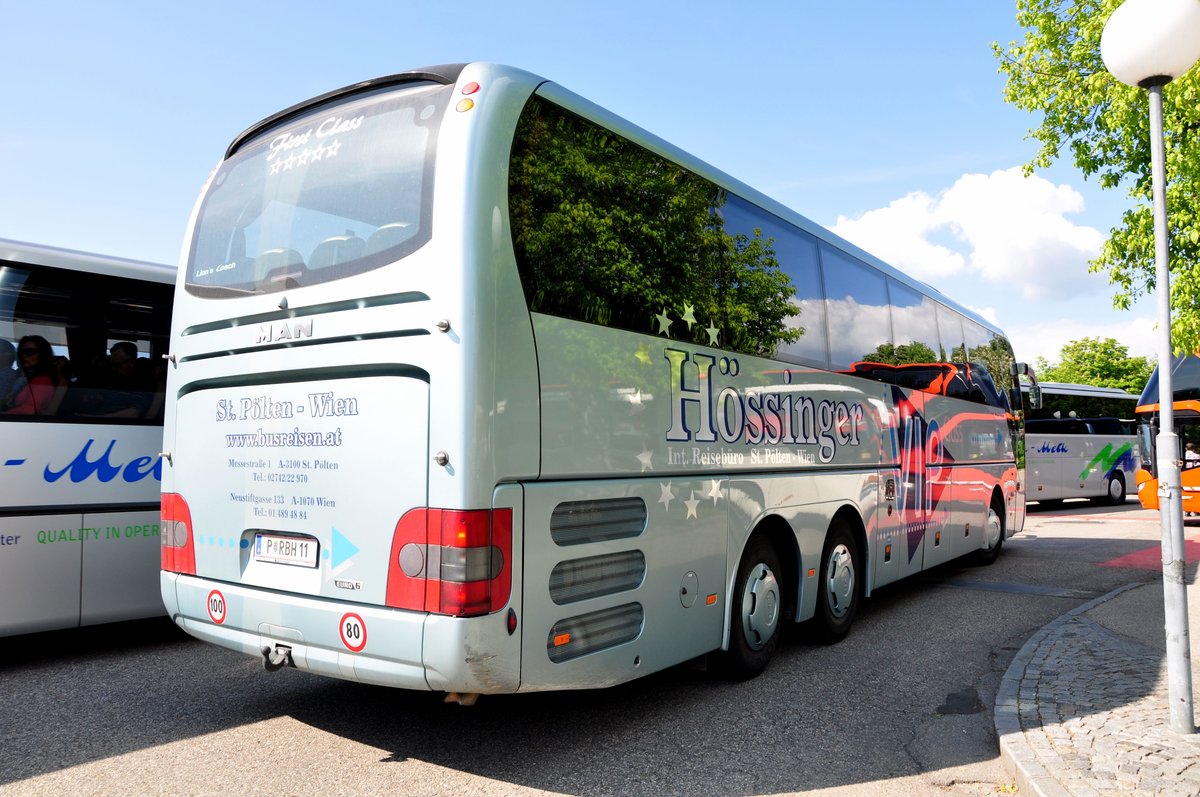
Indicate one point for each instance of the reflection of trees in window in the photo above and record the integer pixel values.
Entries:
(610, 233)
(997, 356)
(902, 354)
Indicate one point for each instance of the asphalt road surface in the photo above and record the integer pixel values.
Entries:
(903, 705)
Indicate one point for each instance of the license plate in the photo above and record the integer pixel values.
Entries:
(299, 551)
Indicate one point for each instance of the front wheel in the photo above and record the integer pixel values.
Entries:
(755, 623)
(993, 530)
(839, 590)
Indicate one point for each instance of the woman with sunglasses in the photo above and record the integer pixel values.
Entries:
(36, 359)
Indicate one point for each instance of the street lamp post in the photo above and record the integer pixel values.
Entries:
(1149, 43)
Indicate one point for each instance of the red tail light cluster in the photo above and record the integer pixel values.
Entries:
(178, 549)
(453, 562)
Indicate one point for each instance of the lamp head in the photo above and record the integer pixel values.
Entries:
(1151, 42)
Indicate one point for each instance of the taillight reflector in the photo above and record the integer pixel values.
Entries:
(178, 550)
(452, 562)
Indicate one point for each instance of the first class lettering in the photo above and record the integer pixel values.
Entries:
(334, 125)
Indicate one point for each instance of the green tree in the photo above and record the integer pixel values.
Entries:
(1103, 363)
(1057, 71)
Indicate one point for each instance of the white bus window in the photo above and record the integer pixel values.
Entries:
(88, 346)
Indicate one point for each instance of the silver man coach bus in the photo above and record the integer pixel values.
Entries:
(478, 388)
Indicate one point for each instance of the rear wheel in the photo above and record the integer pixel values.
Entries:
(757, 610)
(839, 590)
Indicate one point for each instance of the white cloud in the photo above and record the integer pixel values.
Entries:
(987, 312)
(1046, 338)
(1011, 229)
(899, 234)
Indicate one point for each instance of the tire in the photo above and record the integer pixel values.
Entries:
(1114, 492)
(839, 590)
(993, 529)
(756, 612)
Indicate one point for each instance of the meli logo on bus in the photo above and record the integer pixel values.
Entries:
(1046, 448)
(103, 468)
(757, 416)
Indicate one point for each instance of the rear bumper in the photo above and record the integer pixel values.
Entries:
(404, 649)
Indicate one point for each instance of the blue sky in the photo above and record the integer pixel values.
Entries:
(882, 120)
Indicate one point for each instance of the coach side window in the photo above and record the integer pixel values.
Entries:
(608, 232)
(796, 252)
(101, 339)
(860, 324)
(914, 325)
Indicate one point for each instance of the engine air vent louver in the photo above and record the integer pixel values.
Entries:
(580, 579)
(580, 522)
(588, 633)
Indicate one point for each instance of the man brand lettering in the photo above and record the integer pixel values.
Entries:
(756, 416)
(284, 330)
(104, 469)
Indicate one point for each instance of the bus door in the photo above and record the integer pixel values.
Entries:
(922, 488)
(121, 557)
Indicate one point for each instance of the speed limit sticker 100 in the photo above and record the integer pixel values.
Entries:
(353, 631)
(216, 606)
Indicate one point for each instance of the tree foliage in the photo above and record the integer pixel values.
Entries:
(1103, 363)
(1057, 71)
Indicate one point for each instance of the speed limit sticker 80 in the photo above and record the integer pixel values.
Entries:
(353, 631)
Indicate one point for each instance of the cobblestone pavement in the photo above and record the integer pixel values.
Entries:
(1082, 709)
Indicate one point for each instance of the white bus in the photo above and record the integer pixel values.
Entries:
(1081, 443)
(478, 388)
(81, 400)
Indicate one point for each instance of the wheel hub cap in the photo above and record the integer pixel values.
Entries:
(760, 606)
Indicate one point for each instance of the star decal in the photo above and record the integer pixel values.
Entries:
(667, 496)
(714, 491)
(689, 316)
(642, 355)
(664, 323)
(713, 332)
(645, 458)
(691, 505)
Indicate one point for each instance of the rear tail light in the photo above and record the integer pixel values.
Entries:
(178, 550)
(452, 562)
